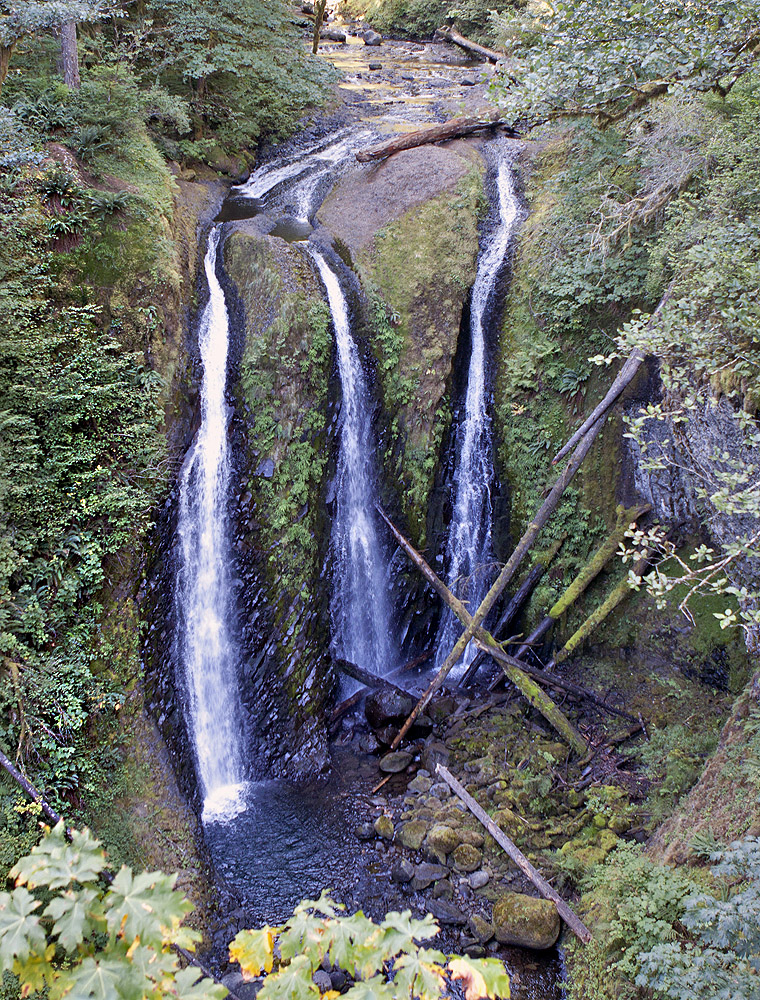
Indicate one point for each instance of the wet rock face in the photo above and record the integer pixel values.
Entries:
(283, 443)
(522, 920)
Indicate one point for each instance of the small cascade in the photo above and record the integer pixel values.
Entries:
(205, 647)
(360, 605)
(469, 553)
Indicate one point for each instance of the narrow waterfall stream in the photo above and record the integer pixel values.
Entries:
(469, 553)
(206, 647)
(361, 618)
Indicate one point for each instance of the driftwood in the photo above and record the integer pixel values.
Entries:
(522, 548)
(455, 128)
(345, 706)
(572, 920)
(447, 34)
(530, 691)
(367, 679)
(553, 680)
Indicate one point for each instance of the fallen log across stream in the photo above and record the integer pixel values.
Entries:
(455, 128)
(572, 920)
(532, 693)
(447, 34)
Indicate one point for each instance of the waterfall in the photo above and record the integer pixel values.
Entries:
(360, 606)
(469, 553)
(205, 647)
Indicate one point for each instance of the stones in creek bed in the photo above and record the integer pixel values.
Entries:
(446, 912)
(384, 706)
(412, 834)
(333, 35)
(440, 790)
(427, 873)
(371, 37)
(375, 65)
(368, 743)
(419, 784)
(384, 827)
(435, 753)
(393, 763)
(466, 858)
(442, 840)
(478, 879)
(482, 930)
(322, 981)
(443, 889)
(365, 831)
(402, 872)
(522, 920)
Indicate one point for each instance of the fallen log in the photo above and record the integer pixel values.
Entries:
(345, 706)
(554, 680)
(455, 128)
(530, 691)
(447, 34)
(368, 679)
(522, 548)
(572, 920)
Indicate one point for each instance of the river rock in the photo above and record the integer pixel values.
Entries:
(443, 889)
(393, 763)
(412, 834)
(338, 979)
(419, 784)
(479, 879)
(466, 858)
(333, 35)
(371, 37)
(482, 930)
(426, 873)
(446, 913)
(384, 827)
(525, 921)
(509, 822)
(365, 831)
(375, 65)
(442, 840)
(402, 872)
(322, 981)
(384, 706)
(440, 790)
(248, 991)
(435, 753)
(472, 837)
(368, 743)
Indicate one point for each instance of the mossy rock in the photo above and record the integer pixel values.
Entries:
(412, 834)
(524, 921)
(466, 858)
(442, 840)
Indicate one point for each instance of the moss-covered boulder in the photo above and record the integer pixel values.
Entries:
(525, 921)
(442, 840)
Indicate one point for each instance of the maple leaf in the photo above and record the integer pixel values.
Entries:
(253, 950)
(481, 978)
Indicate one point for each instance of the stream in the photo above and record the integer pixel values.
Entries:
(273, 842)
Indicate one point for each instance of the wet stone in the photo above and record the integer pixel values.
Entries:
(472, 837)
(412, 834)
(466, 858)
(523, 920)
(440, 790)
(442, 840)
(384, 827)
(435, 753)
(482, 930)
(478, 879)
(248, 991)
(443, 889)
(393, 763)
(419, 784)
(375, 65)
(446, 912)
(338, 979)
(322, 981)
(368, 744)
(402, 872)
(426, 873)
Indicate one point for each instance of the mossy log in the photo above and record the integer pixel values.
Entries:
(532, 693)
(448, 34)
(595, 619)
(455, 128)
(522, 548)
(572, 920)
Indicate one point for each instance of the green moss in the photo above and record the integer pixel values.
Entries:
(419, 270)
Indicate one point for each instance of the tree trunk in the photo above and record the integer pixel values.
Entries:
(453, 36)
(319, 14)
(70, 55)
(6, 51)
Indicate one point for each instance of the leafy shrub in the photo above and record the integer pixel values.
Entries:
(60, 184)
(89, 140)
(721, 958)
(105, 203)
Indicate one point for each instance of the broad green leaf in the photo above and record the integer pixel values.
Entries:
(56, 863)
(190, 987)
(71, 915)
(305, 935)
(20, 931)
(99, 980)
(346, 937)
(144, 906)
(253, 950)
(375, 988)
(292, 982)
(324, 905)
(481, 977)
(36, 972)
(396, 934)
(420, 974)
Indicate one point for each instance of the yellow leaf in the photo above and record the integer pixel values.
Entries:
(254, 951)
(330, 995)
(474, 984)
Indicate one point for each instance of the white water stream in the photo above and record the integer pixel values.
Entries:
(360, 610)
(207, 650)
(469, 554)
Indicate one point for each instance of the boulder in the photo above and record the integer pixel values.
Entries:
(442, 840)
(393, 763)
(371, 37)
(466, 858)
(385, 706)
(522, 920)
(446, 913)
(333, 35)
(384, 827)
(412, 834)
(435, 753)
(402, 872)
(426, 873)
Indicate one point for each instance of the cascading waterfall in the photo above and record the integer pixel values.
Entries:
(360, 608)
(469, 546)
(205, 646)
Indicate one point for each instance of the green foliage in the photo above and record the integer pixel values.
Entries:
(384, 960)
(608, 59)
(420, 18)
(79, 939)
(720, 959)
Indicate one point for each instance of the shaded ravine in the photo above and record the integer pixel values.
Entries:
(469, 549)
(205, 645)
